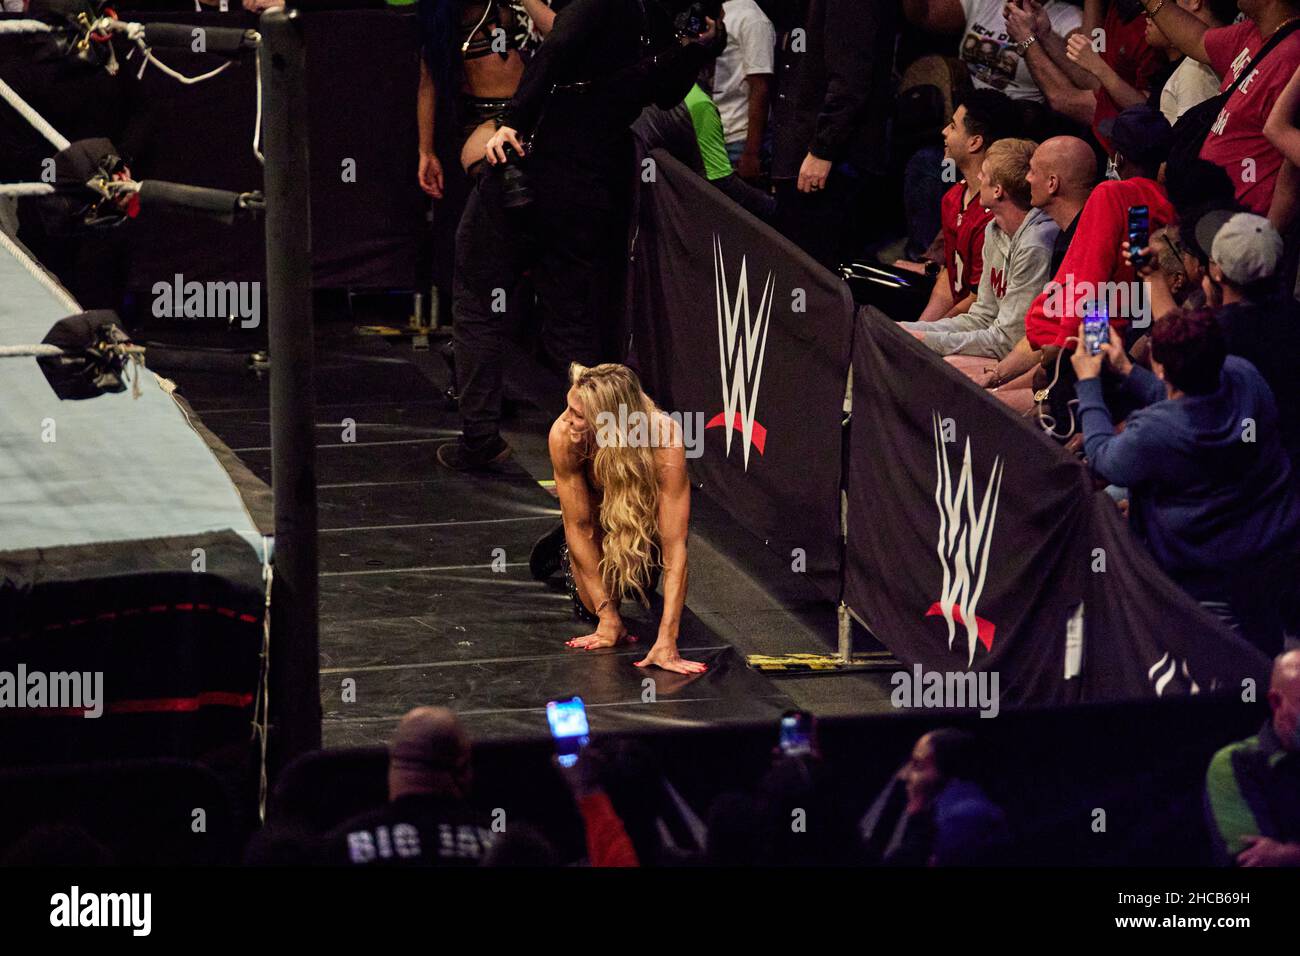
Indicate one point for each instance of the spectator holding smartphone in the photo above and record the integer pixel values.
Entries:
(1209, 484)
(1094, 266)
(1260, 322)
(607, 840)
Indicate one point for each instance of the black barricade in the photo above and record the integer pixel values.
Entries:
(976, 543)
(746, 336)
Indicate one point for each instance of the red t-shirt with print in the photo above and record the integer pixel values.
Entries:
(1236, 140)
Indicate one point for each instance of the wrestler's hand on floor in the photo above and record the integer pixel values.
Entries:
(665, 656)
(607, 634)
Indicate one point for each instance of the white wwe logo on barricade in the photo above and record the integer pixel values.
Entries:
(965, 534)
(1168, 666)
(742, 342)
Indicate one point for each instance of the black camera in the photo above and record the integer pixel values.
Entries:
(693, 21)
(517, 192)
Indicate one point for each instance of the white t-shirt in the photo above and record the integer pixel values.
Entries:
(991, 55)
(1190, 84)
(751, 49)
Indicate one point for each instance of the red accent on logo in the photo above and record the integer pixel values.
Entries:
(758, 438)
(983, 629)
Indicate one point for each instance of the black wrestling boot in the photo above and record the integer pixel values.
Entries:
(544, 561)
(459, 456)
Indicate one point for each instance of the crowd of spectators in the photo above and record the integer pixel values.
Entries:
(1057, 121)
(936, 810)
(1068, 125)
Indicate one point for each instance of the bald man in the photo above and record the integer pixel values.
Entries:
(1253, 786)
(428, 820)
(1062, 174)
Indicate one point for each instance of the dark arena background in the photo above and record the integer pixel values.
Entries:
(932, 639)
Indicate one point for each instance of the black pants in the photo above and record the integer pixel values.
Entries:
(576, 255)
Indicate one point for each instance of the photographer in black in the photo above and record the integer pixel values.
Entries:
(555, 196)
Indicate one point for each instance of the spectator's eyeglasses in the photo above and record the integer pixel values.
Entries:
(1177, 250)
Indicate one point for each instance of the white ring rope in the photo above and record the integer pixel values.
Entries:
(179, 77)
(24, 26)
(135, 32)
(257, 120)
(51, 284)
(26, 189)
(38, 121)
(19, 351)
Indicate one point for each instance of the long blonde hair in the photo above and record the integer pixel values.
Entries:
(612, 402)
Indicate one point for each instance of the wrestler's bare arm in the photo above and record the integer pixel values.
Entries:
(578, 508)
(674, 520)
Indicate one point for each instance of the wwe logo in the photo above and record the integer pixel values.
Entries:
(742, 342)
(1168, 669)
(965, 533)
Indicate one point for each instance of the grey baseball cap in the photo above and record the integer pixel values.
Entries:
(1246, 247)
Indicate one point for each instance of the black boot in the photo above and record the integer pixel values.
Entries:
(544, 561)
(458, 456)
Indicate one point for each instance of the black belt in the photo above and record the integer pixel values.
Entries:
(476, 110)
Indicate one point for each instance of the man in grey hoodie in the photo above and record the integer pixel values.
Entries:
(1017, 261)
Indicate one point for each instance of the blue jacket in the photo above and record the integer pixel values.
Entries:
(1203, 496)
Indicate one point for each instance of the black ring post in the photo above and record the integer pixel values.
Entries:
(295, 709)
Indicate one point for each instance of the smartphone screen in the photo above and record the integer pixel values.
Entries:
(1096, 326)
(568, 720)
(1139, 233)
(796, 733)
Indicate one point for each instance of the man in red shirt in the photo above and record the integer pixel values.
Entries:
(981, 118)
(1236, 141)
(1094, 268)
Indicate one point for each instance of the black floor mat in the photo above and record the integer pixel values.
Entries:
(425, 592)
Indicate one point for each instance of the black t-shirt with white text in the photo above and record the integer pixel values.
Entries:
(416, 830)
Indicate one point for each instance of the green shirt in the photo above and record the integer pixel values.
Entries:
(708, 133)
(1252, 787)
